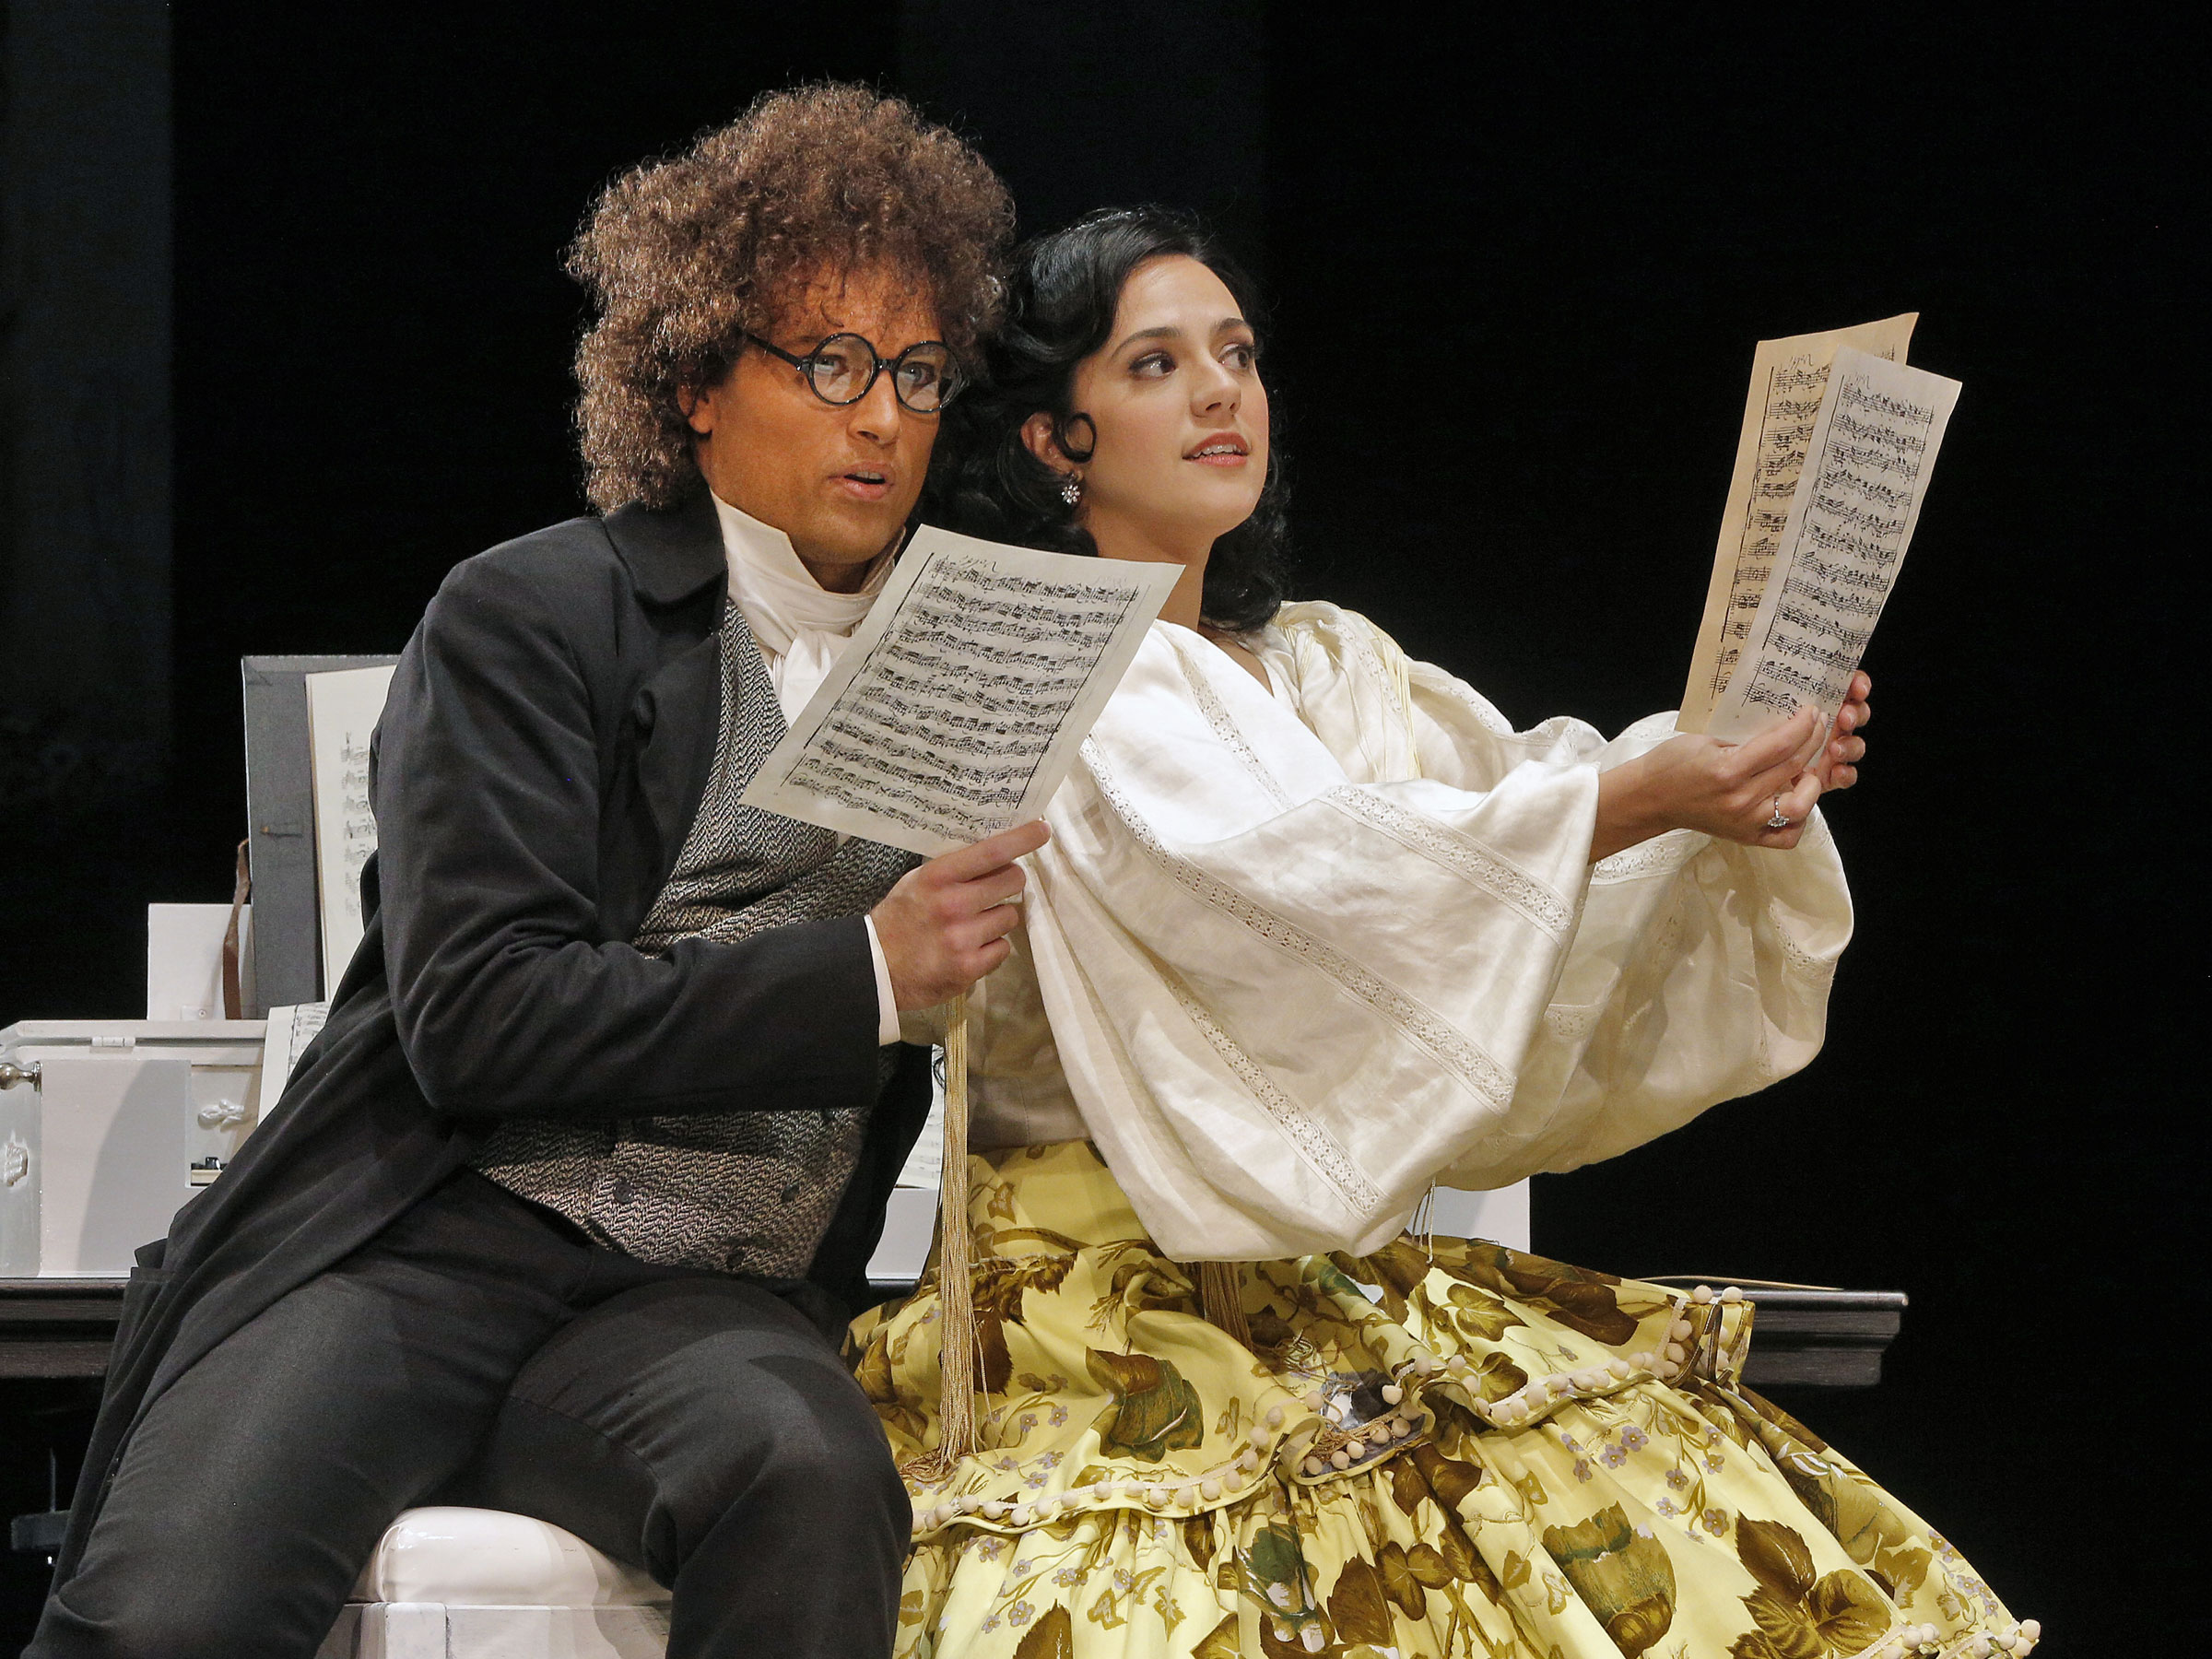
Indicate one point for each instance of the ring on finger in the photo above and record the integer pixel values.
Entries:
(1781, 821)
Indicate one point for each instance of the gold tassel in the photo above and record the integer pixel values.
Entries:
(960, 1354)
(1221, 1294)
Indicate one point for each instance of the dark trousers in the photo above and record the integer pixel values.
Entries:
(483, 1351)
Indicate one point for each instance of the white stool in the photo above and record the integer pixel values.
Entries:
(469, 1583)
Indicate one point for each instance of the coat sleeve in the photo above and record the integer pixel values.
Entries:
(508, 999)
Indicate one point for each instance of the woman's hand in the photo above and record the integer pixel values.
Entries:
(1733, 791)
(1840, 766)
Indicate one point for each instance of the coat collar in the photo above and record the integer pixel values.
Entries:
(671, 553)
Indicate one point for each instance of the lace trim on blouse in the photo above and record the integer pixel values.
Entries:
(1461, 855)
(1319, 1147)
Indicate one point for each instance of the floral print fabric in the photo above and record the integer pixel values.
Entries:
(1444, 1449)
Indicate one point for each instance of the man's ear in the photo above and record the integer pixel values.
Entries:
(698, 407)
(1036, 433)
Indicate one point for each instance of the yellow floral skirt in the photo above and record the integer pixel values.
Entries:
(1443, 1449)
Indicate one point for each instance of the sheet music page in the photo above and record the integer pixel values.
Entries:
(343, 708)
(1872, 451)
(958, 706)
(1788, 377)
(290, 1031)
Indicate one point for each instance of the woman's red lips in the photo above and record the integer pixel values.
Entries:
(1219, 447)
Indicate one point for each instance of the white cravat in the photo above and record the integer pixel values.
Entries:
(800, 627)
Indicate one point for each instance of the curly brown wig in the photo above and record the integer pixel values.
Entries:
(684, 257)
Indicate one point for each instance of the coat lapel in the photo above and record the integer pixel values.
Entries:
(677, 565)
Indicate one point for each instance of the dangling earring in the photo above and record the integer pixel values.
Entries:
(1071, 488)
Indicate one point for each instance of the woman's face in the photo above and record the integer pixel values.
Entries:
(1181, 450)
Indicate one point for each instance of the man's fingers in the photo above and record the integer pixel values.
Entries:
(980, 858)
(994, 924)
(1003, 885)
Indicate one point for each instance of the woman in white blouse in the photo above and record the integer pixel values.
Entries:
(1317, 930)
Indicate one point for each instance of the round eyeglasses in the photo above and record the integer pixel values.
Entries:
(844, 367)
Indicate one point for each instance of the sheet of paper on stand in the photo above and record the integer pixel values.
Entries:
(1789, 377)
(292, 1029)
(184, 959)
(343, 709)
(1872, 453)
(280, 807)
(959, 704)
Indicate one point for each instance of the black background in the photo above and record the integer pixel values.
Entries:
(1518, 269)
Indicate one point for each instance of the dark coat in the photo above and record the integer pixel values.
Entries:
(548, 735)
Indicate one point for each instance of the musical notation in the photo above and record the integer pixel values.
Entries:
(957, 706)
(1789, 382)
(343, 706)
(1858, 496)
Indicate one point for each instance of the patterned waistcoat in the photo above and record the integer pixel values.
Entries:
(742, 1192)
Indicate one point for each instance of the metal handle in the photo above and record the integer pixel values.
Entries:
(12, 1074)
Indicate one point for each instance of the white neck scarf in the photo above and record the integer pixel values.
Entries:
(801, 625)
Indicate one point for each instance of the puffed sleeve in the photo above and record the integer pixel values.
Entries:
(1698, 970)
(1293, 981)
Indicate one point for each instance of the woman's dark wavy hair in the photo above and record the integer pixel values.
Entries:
(1059, 308)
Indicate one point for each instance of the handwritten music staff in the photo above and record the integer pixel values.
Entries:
(1858, 496)
(1789, 378)
(343, 706)
(958, 706)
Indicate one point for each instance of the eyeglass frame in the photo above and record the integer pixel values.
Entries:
(877, 365)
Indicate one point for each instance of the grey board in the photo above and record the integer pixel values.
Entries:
(280, 809)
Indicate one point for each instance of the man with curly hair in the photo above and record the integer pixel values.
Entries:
(564, 1210)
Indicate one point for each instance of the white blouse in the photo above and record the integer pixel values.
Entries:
(1289, 958)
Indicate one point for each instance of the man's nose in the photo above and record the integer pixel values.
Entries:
(877, 416)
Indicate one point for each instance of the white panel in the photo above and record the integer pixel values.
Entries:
(556, 1633)
(1500, 1216)
(909, 1223)
(185, 960)
(22, 1168)
(114, 1148)
(403, 1630)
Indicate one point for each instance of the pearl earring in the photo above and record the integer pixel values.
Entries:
(1071, 488)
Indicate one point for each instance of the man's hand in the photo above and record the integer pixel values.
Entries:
(945, 925)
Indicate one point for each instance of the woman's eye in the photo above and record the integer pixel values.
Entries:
(1241, 357)
(1154, 365)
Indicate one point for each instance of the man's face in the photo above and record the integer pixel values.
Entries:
(839, 481)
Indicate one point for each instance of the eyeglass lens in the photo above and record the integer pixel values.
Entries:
(844, 367)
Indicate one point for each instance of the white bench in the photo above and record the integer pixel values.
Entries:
(469, 1583)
